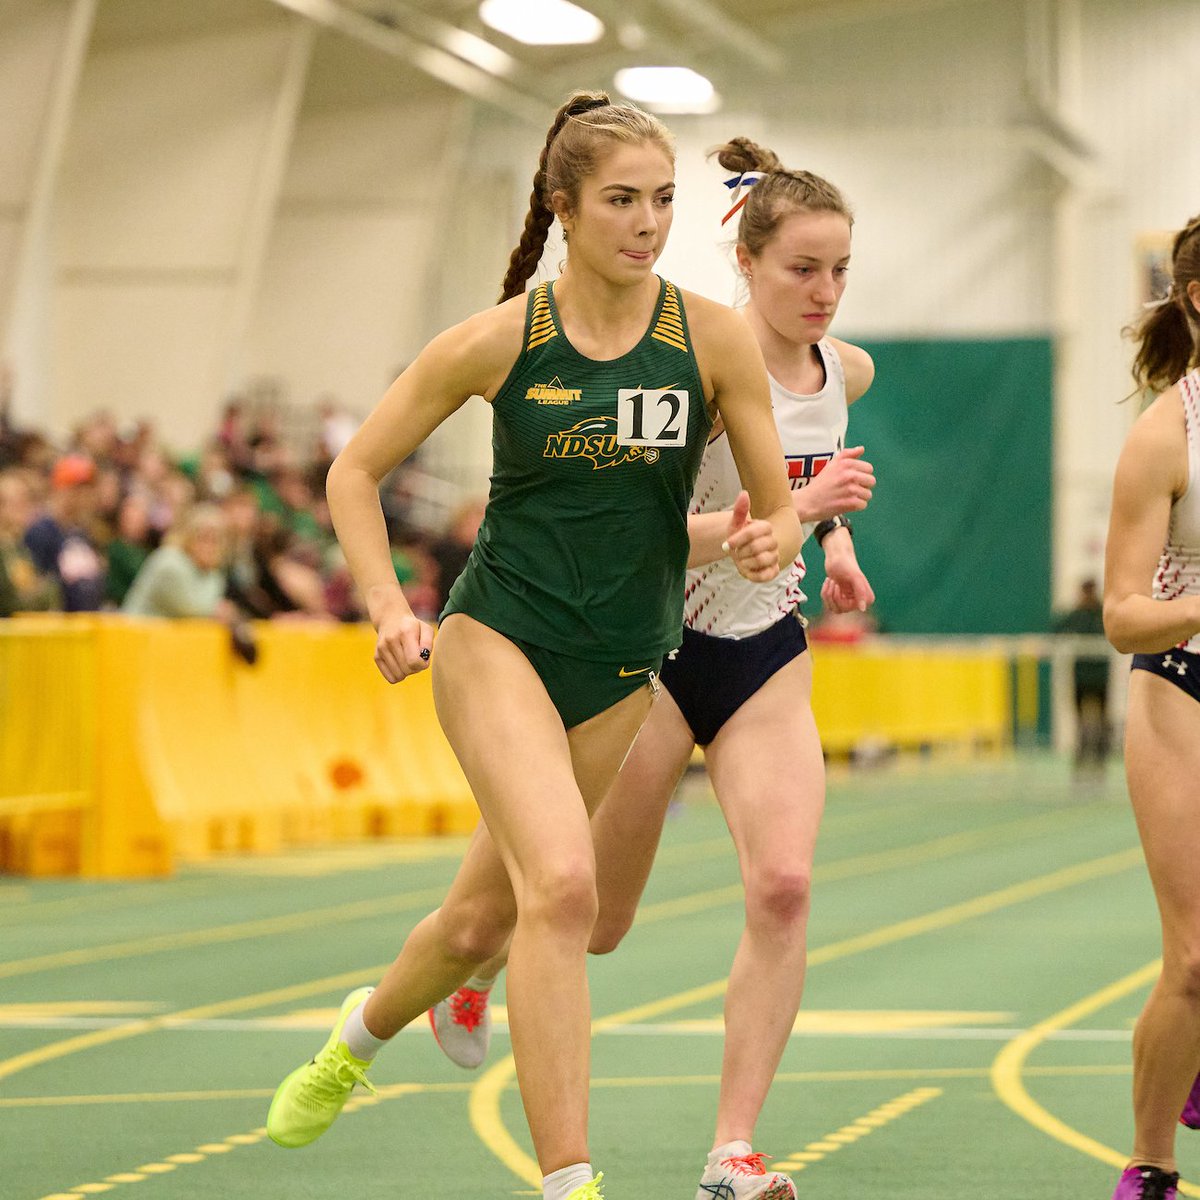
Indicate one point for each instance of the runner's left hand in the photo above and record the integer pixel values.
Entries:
(846, 588)
(751, 543)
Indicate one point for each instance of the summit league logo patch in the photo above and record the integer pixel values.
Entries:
(553, 393)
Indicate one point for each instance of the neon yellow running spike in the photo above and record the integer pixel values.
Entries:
(589, 1191)
(308, 1101)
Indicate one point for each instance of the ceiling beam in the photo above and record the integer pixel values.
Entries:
(447, 68)
(717, 26)
(436, 32)
(824, 14)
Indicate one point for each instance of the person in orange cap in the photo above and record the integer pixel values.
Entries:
(59, 541)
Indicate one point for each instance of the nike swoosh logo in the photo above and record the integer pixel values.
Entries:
(624, 674)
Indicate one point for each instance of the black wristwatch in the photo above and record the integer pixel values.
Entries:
(824, 528)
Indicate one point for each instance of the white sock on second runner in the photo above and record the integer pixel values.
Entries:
(729, 1150)
(477, 983)
(558, 1185)
(360, 1041)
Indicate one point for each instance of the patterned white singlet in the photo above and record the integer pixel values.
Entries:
(1178, 571)
(717, 600)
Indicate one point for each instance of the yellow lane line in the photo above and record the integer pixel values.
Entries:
(955, 914)
(794, 1162)
(607, 1082)
(237, 931)
(307, 920)
(864, 864)
(93, 899)
(877, 1118)
(848, 868)
(942, 918)
(103, 1037)
(484, 1103)
(1009, 1067)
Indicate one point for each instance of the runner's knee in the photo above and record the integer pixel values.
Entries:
(562, 895)
(778, 896)
(609, 931)
(475, 931)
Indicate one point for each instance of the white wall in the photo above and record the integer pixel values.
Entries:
(341, 307)
(1139, 94)
(391, 213)
(41, 54)
(162, 178)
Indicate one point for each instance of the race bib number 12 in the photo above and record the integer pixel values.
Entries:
(652, 417)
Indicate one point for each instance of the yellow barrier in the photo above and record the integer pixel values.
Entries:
(128, 745)
(910, 696)
(47, 763)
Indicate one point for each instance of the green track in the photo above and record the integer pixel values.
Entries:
(143, 1026)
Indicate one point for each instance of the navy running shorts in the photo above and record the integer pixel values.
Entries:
(1175, 666)
(710, 678)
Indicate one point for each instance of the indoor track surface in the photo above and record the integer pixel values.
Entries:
(982, 939)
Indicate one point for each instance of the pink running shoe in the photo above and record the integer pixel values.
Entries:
(1147, 1183)
(743, 1177)
(1191, 1110)
(462, 1024)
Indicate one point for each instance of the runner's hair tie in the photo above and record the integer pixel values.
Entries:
(1167, 299)
(735, 183)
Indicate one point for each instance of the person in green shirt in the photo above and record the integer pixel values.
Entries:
(1090, 676)
(129, 549)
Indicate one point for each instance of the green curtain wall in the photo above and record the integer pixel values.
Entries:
(957, 536)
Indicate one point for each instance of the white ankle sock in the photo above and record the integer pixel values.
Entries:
(729, 1150)
(558, 1185)
(478, 983)
(360, 1041)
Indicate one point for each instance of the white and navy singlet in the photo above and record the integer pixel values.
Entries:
(718, 601)
(1178, 571)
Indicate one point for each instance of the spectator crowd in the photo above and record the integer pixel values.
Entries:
(237, 531)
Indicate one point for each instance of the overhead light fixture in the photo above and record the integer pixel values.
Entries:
(542, 22)
(669, 89)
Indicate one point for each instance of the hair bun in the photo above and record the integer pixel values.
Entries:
(741, 154)
(587, 102)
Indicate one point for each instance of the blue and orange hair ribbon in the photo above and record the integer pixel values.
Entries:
(735, 183)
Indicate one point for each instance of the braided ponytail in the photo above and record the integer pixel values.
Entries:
(1168, 335)
(524, 259)
(571, 152)
(778, 194)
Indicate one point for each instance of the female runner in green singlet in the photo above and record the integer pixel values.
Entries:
(544, 665)
(741, 683)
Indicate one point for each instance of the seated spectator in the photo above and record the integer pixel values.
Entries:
(296, 500)
(240, 509)
(130, 548)
(279, 583)
(60, 542)
(453, 548)
(22, 587)
(210, 473)
(186, 576)
(418, 573)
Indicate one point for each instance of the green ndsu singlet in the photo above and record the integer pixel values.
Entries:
(584, 543)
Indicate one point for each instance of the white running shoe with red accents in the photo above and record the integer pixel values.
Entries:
(743, 1177)
(462, 1024)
